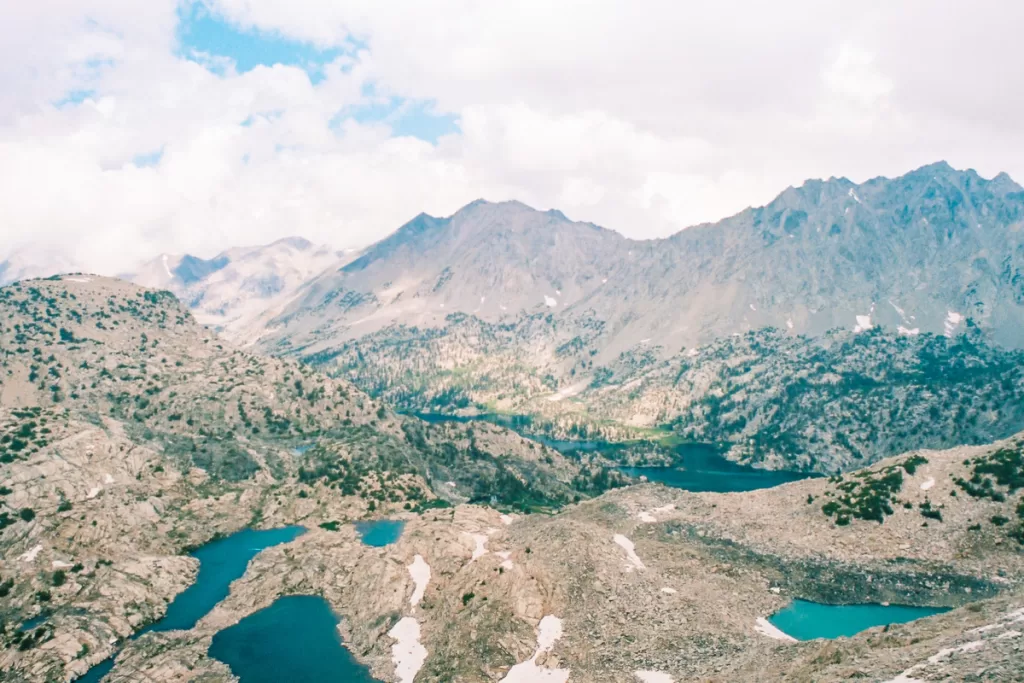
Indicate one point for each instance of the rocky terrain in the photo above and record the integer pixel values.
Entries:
(500, 308)
(772, 399)
(656, 584)
(129, 433)
(842, 329)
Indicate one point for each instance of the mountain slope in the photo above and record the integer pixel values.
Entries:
(768, 398)
(923, 252)
(494, 260)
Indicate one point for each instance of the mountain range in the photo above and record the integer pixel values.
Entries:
(918, 253)
(503, 308)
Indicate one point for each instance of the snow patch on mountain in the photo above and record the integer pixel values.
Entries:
(952, 321)
(419, 570)
(630, 548)
(407, 653)
(549, 630)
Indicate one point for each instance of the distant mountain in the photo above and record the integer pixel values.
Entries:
(237, 291)
(492, 260)
(31, 262)
(919, 253)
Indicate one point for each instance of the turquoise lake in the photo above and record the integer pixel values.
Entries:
(698, 467)
(806, 620)
(380, 532)
(220, 562)
(296, 639)
(701, 467)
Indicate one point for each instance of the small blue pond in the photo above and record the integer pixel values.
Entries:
(34, 621)
(295, 639)
(809, 620)
(220, 563)
(380, 532)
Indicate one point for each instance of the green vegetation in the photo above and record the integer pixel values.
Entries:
(995, 476)
(927, 510)
(23, 434)
(856, 398)
(1001, 468)
(870, 494)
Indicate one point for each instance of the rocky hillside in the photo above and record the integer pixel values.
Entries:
(829, 404)
(98, 348)
(238, 291)
(770, 398)
(654, 584)
(128, 433)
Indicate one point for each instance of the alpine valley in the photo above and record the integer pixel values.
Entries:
(507, 387)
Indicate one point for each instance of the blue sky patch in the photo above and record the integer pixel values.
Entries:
(215, 42)
(148, 159)
(416, 118)
(74, 97)
(202, 33)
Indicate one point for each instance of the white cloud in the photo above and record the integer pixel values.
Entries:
(643, 118)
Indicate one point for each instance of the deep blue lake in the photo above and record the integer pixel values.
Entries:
(296, 639)
(380, 532)
(220, 562)
(806, 620)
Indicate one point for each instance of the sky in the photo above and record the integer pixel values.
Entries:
(130, 129)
